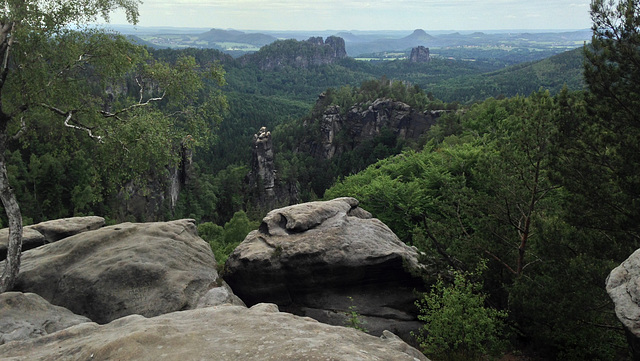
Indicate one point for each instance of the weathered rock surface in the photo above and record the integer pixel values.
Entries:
(30, 239)
(50, 231)
(623, 286)
(27, 315)
(219, 296)
(58, 229)
(147, 269)
(362, 123)
(318, 259)
(420, 54)
(297, 54)
(214, 333)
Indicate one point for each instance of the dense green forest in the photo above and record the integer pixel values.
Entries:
(524, 191)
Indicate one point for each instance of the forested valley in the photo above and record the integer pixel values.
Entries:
(523, 189)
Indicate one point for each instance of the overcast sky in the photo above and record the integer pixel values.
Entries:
(365, 14)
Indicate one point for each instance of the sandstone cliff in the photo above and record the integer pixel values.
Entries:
(364, 122)
(298, 54)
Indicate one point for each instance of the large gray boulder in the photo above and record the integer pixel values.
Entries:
(50, 231)
(58, 229)
(147, 269)
(323, 259)
(623, 286)
(224, 333)
(27, 315)
(30, 239)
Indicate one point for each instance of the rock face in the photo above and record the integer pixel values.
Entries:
(319, 259)
(362, 123)
(148, 269)
(159, 195)
(420, 54)
(50, 231)
(266, 192)
(216, 333)
(298, 54)
(58, 229)
(623, 286)
(27, 315)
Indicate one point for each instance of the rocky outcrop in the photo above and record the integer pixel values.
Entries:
(420, 54)
(365, 122)
(50, 231)
(216, 333)
(58, 229)
(147, 269)
(319, 259)
(623, 288)
(27, 315)
(159, 193)
(266, 190)
(298, 54)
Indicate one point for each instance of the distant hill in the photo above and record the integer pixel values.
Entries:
(139, 41)
(417, 38)
(235, 36)
(552, 73)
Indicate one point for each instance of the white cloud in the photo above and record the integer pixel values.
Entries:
(366, 14)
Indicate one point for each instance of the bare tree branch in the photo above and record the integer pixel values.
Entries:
(68, 116)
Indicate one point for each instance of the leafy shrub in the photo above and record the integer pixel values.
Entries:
(224, 240)
(458, 325)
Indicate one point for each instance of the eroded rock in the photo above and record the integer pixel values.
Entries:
(58, 229)
(623, 286)
(145, 268)
(319, 259)
(50, 231)
(27, 315)
(216, 333)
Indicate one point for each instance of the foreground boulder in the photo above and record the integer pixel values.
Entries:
(623, 286)
(50, 231)
(147, 269)
(216, 333)
(325, 259)
(27, 315)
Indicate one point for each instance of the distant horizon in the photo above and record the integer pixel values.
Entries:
(445, 31)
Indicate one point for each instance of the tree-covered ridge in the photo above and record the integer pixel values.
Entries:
(488, 189)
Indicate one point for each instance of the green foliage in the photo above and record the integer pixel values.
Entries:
(354, 319)
(489, 189)
(224, 240)
(458, 324)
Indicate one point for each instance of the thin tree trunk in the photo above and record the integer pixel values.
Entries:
(11, 208)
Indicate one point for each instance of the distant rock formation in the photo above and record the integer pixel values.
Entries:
(361, 123)
(420, 54)
(298, 54)
(230, 333)
(267, 192)
(318, 259)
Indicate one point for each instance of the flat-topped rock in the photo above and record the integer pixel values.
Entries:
(227, 333)
(58, 229)
(50, 231)
(318, 259)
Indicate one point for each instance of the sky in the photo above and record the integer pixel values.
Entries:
(365, 14)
